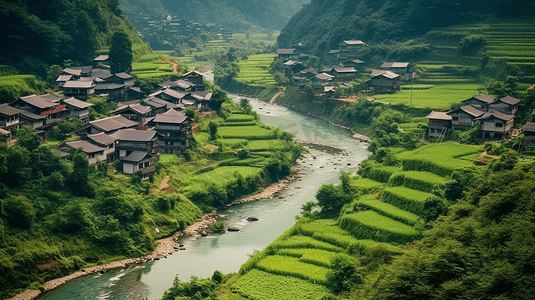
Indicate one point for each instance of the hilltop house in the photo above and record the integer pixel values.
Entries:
(349, 49)
(478, 101)
(174, 128)
(196, 78)
(438, 124)
(495, 125)
(400, 68)
(506, 105)
(288, 54)
(383, 81)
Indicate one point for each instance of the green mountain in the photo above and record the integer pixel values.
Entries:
(236, 15)
(36, 34)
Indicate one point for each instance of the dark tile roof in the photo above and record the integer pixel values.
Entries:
(77, 103)
(171, 93)
(86, 146)
(496, 115)
(108, 86)
(134, 135)
(171, 116)
(136, 89)
(438, 115)
(481, 98)
(102, 57)
(32, 116)
(83, 69)
(324, 76)
(529, 127)
(79, 84)
(38, 101)
(194, 73)
(99, 72)
(64, 78)
(113, 123)
(469, 109)
(71, 71)
(509, 100)
(126, 103)
(205, 95)
(354, 42)
(384, 73)
(388, 65)
(124, 76)
(7, 110)
(136, 156)
(102, 138)
(345, 70)
(286, 51)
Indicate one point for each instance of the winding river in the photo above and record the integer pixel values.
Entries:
(227, 252)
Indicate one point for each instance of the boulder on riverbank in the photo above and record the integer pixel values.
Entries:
(232, 228)
(252, 219)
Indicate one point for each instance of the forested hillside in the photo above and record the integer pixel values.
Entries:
(237, 15)
(323, 24)
(36, 34)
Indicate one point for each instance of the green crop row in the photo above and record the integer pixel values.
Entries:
(365, 184)
(378, 172)
(422, 181)
(260, 285)
(299, 241)
(239, 118)
(243, 162)
(235, 124)
(262, 145)
(317, 257)
(406, 199)
(233, 143)
(372, 225)
(390, 211)
(291, 266)
(246, 132)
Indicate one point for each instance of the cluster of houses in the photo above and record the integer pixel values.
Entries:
(136, 132)
(162, 30)
(496, 116)
(346, 65)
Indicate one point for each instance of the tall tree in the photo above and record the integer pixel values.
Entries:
(120, 53)
(85, 38)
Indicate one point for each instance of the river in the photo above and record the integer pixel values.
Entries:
(227, 252)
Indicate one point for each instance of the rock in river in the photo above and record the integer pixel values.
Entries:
(250, 219)
(232, 228)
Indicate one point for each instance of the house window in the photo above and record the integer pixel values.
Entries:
(92, 155)
(499, 124)
(140, 166)
(147, 163)
(455, 118)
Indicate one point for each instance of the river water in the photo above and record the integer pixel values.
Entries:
(227, 252)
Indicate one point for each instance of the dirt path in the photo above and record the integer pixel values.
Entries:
(164, 183)
(175, 65)
(276, 96)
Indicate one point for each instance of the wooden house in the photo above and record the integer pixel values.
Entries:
(134, 112)
(94, 153)
(130, 140)
(41, 111)
(400, 68)
(495, 125)
(383, 81)
(85, 71)
(175, 130)
(350, 49)
(479, 101)
(103, 59)
(9, 120)
(288, 54)
(196, 78)
(320, 81)
(294, 67)
(105, 141)
(69, 71)
(107, 125)
(159, 106)
(120, 78)
(529, 134)
(80, 90)
(169, 95)
(112, 91)
(133, 93)
(464, 116)
(179, 85)
(355, 63)
(438, 123)
(60, 81)
(344, 74)
(138, 161)
(507, 105)
(77, 109)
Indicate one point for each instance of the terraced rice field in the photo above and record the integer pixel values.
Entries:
(255, 70)
(151, 65)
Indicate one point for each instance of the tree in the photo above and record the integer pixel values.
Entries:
(120, 53)
(342, 276)
(85, 37)
(190, 112)
(52, 74)
(26, 138)
(212, 129)
(331, 198)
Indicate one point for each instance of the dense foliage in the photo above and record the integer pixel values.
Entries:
(36, 34)
(120, 53)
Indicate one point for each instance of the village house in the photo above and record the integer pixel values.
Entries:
(174, 128)
(438, 124)
(112, 91)
(72, 72)
(400, 68)
(85, 71)
(159, 106)
(133, 93)
(495, 125)
(120, 78)
(135, 112)
(196, 78)
(40, 111)
(463, 117)
(350, 49)
(288, 54)
(94, 152)
(507, 105)
(343, 74)
(320, 81)
(529, 134)
(169, 95)
(133, 147)
(103, 59)
(107, 125)
(9, 121)
(80, 90)
(383, 81)
(294, 67)
(138, 161)
(77, 109)
(479, 101)
(179, 85)
(105, 141)
(60, 81)
(355, 63)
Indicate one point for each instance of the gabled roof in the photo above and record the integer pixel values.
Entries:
(102, 57)
(124, 76)
(324, 76)
(31, 116)
(291, 63)
(171, 116)
(102, 138)
(137, 108)
(136, 89)
(345, 70)
(357, 61)
(72, 71)
(496, 115)
(529, 127)
(83, 69)
(193, 73)
(469, 109)
(136, 156)
(169, 92)
(481, 98)
(354, 42)
(509, 100)
(77, 103)
(384, 73)
(7, 110)
(113, 123)
(41, 101)
(135, 135)
(204, 95)
(388, 65)
(286, 51)
(86, 146)
(64, 78)
(79, 84)
(438, 115)
(108, 86)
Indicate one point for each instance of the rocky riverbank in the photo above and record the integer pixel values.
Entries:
(166, 246)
